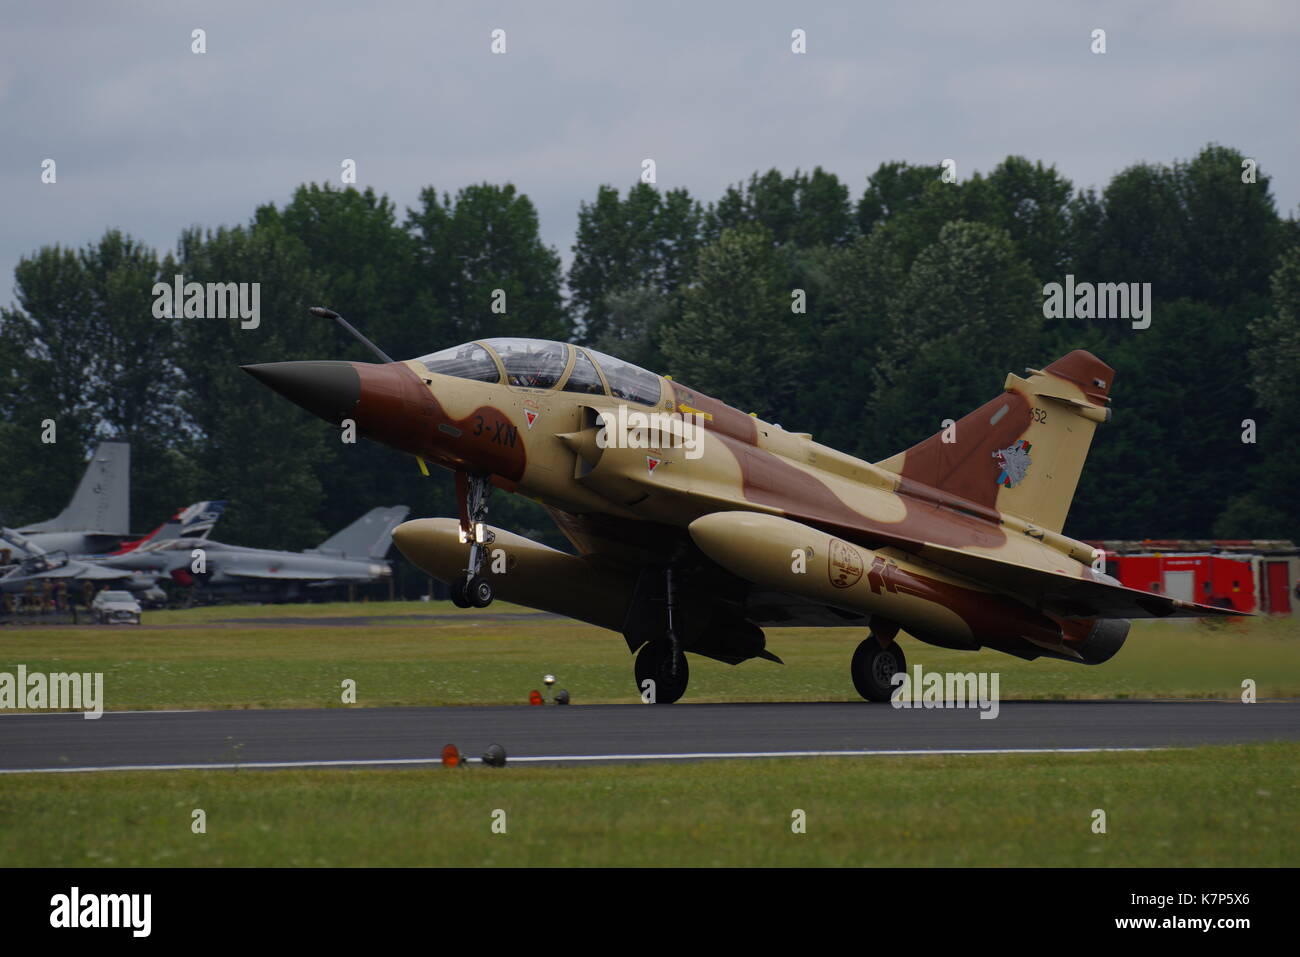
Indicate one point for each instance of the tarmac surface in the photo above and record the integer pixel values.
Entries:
(560, 734)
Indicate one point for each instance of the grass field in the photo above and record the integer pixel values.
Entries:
(200, 658)
(1222, 806)
(1219, 806)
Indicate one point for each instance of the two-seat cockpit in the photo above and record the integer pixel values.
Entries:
(542, 364)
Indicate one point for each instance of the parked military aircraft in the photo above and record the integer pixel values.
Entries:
(696, 524)
(354, 556)
(27, 566)
(98, 518)
(145, 558)
(135, 565)
(192, 521)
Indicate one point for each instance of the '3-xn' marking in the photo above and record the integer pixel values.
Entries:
(503, 433)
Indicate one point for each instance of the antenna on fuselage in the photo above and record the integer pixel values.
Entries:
(324, 313)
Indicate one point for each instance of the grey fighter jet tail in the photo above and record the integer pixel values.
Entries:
(193, 521)
(102, 502)
(368, 537)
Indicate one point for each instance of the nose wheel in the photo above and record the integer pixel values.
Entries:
(473, 590)
(874, 666)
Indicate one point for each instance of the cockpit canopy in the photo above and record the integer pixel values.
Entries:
(541, 364)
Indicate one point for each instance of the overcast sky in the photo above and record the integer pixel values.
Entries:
(151, 138)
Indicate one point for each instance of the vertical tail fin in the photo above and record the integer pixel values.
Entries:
(102, 502)
(193, 521)
(1022, 452)
(367, 537)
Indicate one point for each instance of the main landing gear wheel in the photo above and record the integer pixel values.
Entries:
(655, 663)
(874, 665)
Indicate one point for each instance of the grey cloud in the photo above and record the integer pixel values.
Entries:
(152, 138)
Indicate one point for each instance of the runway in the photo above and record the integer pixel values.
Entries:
(414, 736)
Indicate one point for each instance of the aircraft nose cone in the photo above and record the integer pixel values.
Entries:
(328, 389)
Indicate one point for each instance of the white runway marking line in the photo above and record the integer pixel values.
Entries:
(579, 707)
(538, 759)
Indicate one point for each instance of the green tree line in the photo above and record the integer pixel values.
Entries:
(865, 320)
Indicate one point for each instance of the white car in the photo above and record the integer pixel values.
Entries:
(114, 607)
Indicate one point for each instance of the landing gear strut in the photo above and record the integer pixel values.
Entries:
(674, 646)
(875, 662)
(473, 590)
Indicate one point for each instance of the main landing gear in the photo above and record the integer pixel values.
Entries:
(661, 677)
(876, 661)
(473, 590)
(661, 669)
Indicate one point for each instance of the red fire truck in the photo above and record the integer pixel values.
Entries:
(1257, 576)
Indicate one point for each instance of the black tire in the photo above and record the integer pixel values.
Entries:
(873, 666)
(458, 597)
(479, 592)
(654, 663)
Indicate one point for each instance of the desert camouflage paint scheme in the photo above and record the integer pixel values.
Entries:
(687, 547)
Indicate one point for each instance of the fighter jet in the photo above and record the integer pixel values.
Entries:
(98, 518)
(697, 525)
(192, 521)
(27, 565)
(150, 555)
(147, 561)
(354, 556)
(135, 565)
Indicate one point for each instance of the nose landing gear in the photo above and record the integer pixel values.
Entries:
(473, 590)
